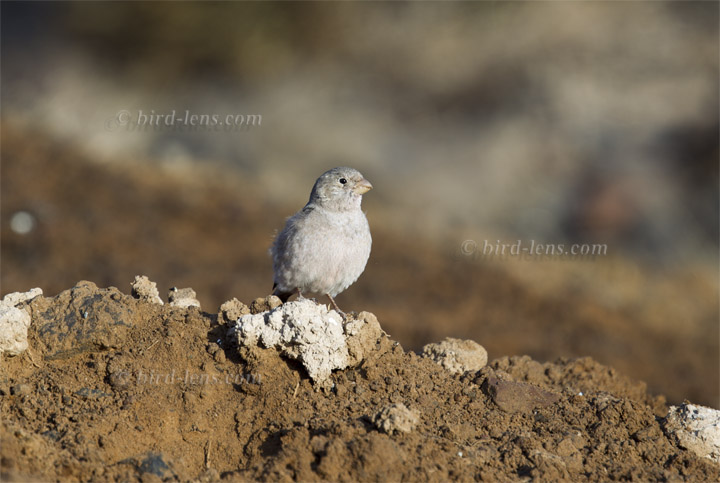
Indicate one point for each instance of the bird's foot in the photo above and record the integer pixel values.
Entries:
(337, 309)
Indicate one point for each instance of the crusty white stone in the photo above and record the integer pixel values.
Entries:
(302, 330)
(317, 337)
(697, 428)
(456, 355)
(14, 322)
(14, 325)
(16, 298)
(146, 290)
(183, 297)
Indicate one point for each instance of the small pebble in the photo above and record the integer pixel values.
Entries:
(20, 389)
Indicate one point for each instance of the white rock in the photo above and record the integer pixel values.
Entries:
(456, 355)
(16, 298)
(146, 290)
(697, 428)
(183, 297)
(14, 322)
(302, 330)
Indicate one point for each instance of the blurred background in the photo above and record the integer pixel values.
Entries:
(552, 122)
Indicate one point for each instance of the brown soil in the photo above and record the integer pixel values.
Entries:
(114, 388)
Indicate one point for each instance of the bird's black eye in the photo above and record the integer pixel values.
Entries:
(342, 180)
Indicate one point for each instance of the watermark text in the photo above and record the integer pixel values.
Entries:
(184, 120)
(531, 250)
(153, 378)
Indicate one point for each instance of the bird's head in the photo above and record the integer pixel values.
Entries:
(340, 189)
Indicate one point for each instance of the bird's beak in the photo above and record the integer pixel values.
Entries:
(362, 187)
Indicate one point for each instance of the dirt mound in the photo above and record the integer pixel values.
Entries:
(113, 387)
(210, 228)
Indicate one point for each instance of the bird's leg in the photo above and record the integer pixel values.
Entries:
(300, 295)
(337, 309)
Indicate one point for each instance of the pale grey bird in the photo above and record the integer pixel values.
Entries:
(325, 246)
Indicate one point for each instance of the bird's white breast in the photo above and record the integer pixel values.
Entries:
(334, 247)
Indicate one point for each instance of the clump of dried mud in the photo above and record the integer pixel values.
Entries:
(117, 388)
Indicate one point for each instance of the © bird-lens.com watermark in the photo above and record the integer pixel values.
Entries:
(182, 121)
(153, 378)
(532, 250)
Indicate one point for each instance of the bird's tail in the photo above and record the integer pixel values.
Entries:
(284, 296)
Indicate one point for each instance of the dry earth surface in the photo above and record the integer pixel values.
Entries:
(115, 388)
